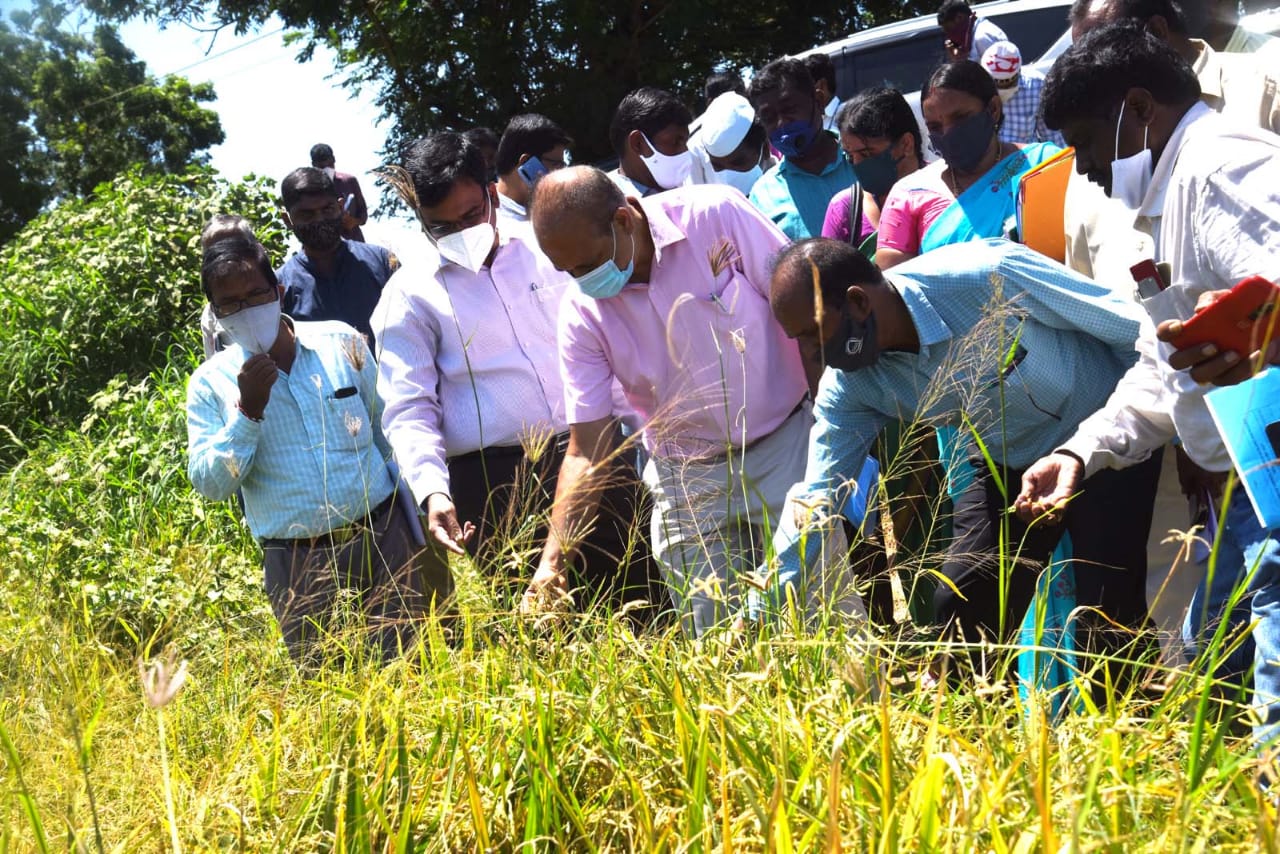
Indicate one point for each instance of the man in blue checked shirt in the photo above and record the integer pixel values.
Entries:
(288, 415)
(1007, 346)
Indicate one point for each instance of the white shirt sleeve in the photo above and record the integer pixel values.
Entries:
(1136, 419)
(408, 381)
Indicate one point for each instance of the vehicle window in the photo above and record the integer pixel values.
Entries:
(904, 64)
(1033, 31)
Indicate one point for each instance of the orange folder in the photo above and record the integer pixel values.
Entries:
(1042, 194)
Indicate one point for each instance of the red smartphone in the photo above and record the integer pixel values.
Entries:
(1243, 320)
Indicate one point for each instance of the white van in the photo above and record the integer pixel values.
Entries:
(903, 53)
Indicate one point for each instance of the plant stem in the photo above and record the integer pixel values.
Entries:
(168, 789)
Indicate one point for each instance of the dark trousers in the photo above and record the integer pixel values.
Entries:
(1109, 522)
(508, 496)
(376, 562)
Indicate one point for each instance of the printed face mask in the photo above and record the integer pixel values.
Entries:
(964, 146)
(321, 235)
(608, 279)
(853, 346)
(1131, 176)
(255, 328)
(668, 170)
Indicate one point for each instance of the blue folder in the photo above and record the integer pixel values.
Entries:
(1248, 418)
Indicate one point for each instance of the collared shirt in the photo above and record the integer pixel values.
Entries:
(985, 34)
(1213, 207)
(468, 360)
(317, 460)
(1101, 238)
(346, 185)
(630, 186)
(797, 200)
(347, 293)
(696, 348)
(829, 115)
(1238, 85)
(1012, 345)
(1023, 122)
(510, 210)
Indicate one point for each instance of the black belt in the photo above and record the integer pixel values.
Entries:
(503, 452)
(337, 536)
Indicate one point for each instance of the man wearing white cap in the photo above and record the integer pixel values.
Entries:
(1019, 89)
(729, 146)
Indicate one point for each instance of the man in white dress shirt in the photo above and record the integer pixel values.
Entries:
(467, 368)
(1207, 190)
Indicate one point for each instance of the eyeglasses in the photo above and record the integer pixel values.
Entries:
(253, 300)
(472, 218)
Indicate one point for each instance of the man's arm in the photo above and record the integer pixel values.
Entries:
(359, 210)
(581, 481)
(839, 480)
(220, 451)
(407, 384)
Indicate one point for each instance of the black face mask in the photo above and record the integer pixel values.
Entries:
(321, 235)
(854, 345)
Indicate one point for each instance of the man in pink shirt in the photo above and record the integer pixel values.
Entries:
(474, 410)
(672, 301)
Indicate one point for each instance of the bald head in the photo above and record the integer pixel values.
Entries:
(574, 198)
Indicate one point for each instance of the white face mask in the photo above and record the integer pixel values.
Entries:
(668, 170)
(255, 328)
(1006, 95)
(469, 247)
(1130, 176)
(743, 181)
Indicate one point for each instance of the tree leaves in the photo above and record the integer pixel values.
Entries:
(77, 110)
(460, 63)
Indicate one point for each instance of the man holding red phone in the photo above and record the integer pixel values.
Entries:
(1208, 192)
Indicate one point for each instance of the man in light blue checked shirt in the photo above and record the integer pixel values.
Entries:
(288, 415)
(1007, 346)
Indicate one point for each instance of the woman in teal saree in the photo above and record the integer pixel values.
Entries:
(971, 193)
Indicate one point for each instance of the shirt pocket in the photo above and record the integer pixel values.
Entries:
(348, 419)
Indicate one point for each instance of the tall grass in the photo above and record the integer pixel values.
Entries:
(575, 734)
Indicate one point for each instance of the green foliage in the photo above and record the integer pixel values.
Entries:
(106, 285)
(102, 522)
(464, 63)
(77, 110)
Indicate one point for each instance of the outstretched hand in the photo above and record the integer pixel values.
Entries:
(1047, 487)
(442, 523)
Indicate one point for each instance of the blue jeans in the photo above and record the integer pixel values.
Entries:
(1246, 551)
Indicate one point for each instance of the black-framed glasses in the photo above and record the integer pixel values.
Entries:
(253, 300)
(473, 218)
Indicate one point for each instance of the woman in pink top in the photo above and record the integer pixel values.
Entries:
(879, 135)
(971, 192)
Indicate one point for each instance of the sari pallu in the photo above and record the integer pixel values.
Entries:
(989, 208)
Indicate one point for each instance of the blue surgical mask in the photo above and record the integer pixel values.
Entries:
(608, 279)
(794, 139)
